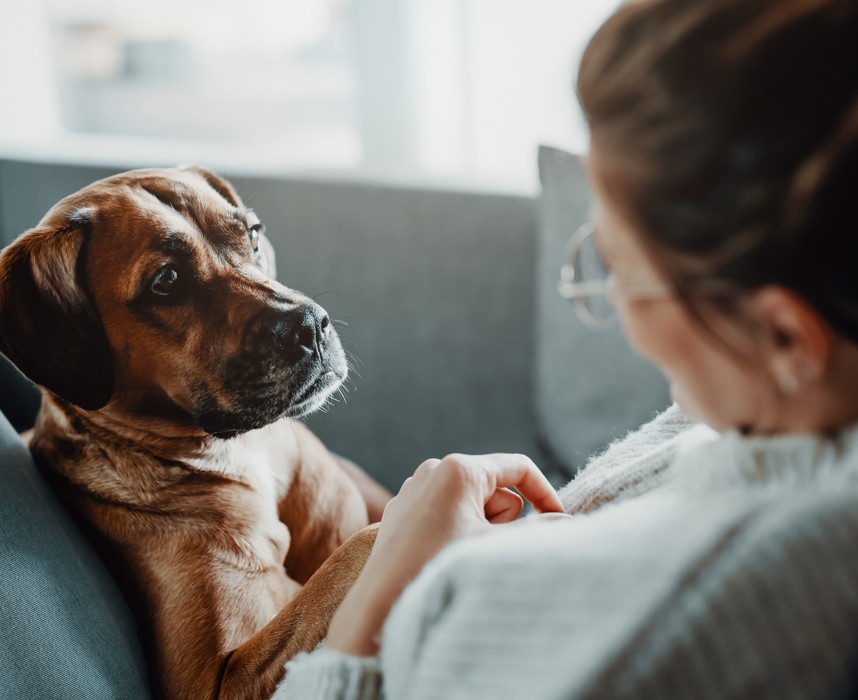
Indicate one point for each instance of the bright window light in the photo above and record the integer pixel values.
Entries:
(462, 89)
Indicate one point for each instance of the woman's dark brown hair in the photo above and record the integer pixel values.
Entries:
(728, 132)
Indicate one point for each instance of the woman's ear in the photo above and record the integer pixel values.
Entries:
(796, 337)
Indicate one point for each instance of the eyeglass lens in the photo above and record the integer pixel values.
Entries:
(589, 268)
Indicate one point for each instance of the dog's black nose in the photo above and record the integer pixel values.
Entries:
(302, 332)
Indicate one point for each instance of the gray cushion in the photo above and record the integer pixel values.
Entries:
(590, 386)
(67, 631)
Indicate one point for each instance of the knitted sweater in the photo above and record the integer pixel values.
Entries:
(699, 566)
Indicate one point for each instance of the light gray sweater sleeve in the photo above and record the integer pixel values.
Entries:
(754, 601)
(729, 589)
(326, 674)
(766, 611)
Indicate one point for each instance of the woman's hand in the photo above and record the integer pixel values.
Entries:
(444, 500)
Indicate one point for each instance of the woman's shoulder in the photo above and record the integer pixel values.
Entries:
(630, 465)
(674, 451)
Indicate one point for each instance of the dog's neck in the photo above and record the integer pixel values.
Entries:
(114, 424)
(98, 457)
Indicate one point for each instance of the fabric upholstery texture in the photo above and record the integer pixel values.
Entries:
(67, 631)
(591, 388)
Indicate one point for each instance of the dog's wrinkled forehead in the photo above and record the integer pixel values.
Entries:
(137, 215)
(192, 193)
(211, 210)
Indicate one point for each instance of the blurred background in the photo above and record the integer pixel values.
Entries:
(446, 90)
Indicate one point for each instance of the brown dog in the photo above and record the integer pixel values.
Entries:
(172, 366)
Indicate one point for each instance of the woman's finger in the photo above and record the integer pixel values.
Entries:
(519, 472)
(503, 506)
(422, 470)
(426, 465)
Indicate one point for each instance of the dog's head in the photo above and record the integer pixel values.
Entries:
(153, 291)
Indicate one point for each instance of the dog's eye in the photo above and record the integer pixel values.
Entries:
(165, 281)
(253, 234)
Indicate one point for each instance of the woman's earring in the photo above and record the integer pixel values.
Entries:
(787, 381)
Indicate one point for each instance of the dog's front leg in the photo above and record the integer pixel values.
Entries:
(254, 669)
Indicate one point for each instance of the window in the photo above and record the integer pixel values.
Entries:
(462, 89)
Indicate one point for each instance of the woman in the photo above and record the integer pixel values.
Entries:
(708, 559)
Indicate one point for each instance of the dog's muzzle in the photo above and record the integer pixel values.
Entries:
(291, 361)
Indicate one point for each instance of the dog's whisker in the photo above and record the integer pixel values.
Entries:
(353, 359)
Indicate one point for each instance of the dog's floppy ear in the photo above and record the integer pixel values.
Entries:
(48, 328)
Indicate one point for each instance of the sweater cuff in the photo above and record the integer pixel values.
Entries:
(326, 674)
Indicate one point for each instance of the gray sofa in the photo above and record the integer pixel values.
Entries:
(459, 343)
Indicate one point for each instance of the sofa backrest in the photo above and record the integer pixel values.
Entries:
(590, 386)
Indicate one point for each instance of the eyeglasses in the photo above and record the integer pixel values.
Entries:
(587, 282)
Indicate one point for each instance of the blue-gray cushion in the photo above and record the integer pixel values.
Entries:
(67, 631)
(590, 386)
